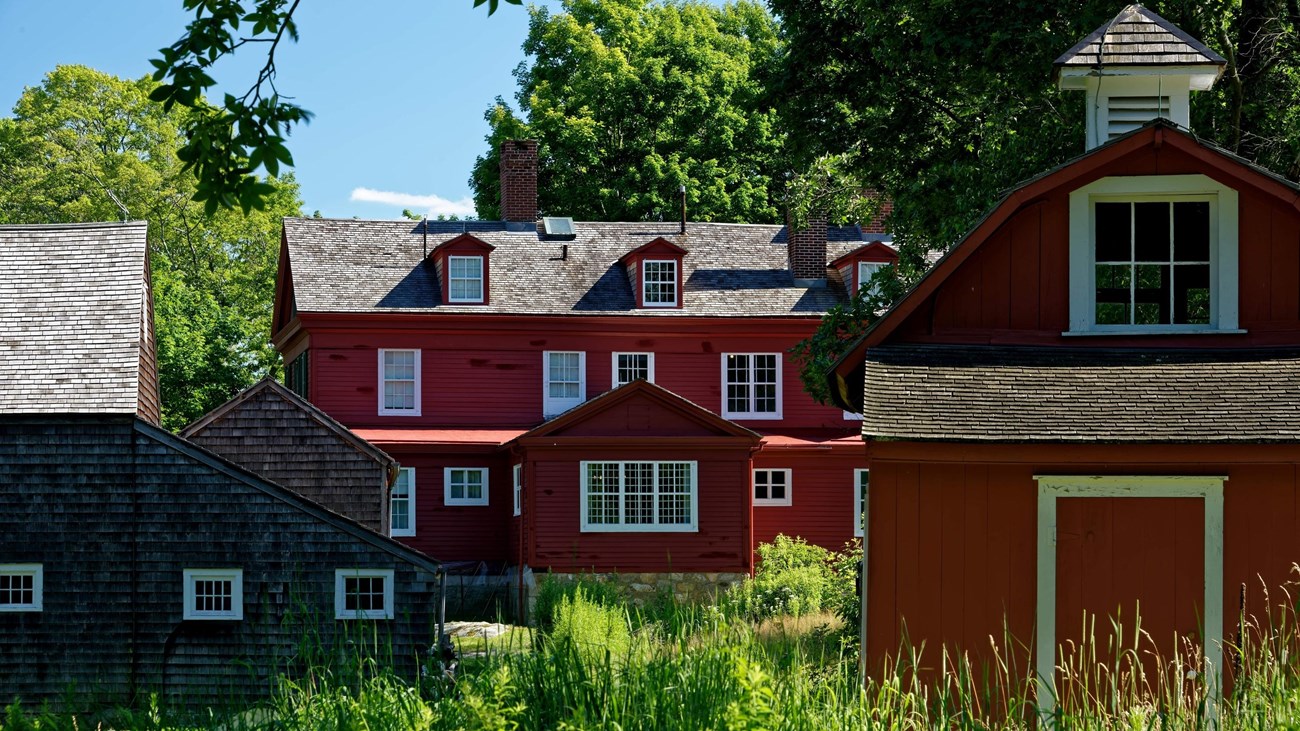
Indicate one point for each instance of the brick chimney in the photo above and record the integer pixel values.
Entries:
(807, 250)
(519, 184)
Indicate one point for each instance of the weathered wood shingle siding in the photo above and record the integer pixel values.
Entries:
(115, 509)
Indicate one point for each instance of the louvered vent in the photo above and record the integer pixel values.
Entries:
(1127, 113)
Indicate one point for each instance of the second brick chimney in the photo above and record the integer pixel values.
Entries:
(807, 251)
(519, 184)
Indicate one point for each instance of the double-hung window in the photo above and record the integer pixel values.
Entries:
(465, 279)
(213, 594)
(751, 385)
(659, 283)
(772, 487)
(862, 483)
(399, 382)
(564, 381)
(629, 367)
(401, 515)
(21, 587)
(363, 594)
(639, 496)
(465, 486)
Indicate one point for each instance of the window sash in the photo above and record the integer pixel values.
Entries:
(465, 278)
(213, 594)
(465, 486)
(772, 487)
(401, 516)
(399, 382)
(22, 587)
(363, 593)
(659, 283)
(639, 496)
(630, 366)
(751, 385)
(1156, 268)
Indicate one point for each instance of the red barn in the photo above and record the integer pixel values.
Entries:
(570, 396)
(1091, 403)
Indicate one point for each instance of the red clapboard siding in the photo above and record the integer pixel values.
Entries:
(822, 487)
(459, 533)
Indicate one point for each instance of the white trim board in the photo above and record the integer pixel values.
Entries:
(1051, 487)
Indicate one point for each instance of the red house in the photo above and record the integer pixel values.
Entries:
(566, 396)
(1090, 404)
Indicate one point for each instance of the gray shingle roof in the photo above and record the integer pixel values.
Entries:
(973, 393)
(733, 270)
(71, 299)
(1138, 37)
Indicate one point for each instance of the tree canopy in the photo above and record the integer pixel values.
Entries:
(88, 146)
(631, 99)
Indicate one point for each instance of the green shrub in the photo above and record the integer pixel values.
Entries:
(598, 631)
(551, 591)
(793, 577)
(844, 600)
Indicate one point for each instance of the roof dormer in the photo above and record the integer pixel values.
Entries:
(1136, 68)
(857, 267)
(655, 273)
(462, 267)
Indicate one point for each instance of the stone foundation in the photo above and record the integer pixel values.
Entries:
(695, 588)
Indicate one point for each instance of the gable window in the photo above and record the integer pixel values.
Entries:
(638, 496)
(21, 587)
(862, 482)
(564, 380)
(751, 385)
(1153, 254)
(213, 594)
(399, 382)
(659, 279)
(629, 367)
(401, 518)
(465, 279)
(867, 270)
(519, 488)
(363, 594)
(465, 486)
(772, 487)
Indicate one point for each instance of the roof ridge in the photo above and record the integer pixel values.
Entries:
(73, 224)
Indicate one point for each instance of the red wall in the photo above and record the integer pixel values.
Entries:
(459, 532)
(822, 487)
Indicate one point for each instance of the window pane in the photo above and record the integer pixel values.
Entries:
(638, 493)
(602, 493)
(1192, 231)
(738, 391)
(1151, 295)
(1113, 232)
(1113, 292)
(1151, 231)
(777, 479)
(760, 485)
(1192, 294)
(674, 493)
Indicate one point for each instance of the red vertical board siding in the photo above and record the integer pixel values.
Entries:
(909, 579)
(1024, 294)
(882, 562)
(995, 281)
(1254, 286)
(977, 613)
(1284, 261)
(821, 509)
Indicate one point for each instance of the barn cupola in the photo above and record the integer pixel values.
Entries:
(1135, 68)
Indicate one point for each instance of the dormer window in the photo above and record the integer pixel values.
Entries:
(857, 267)
(655, 273)
(462, 268)
(659, 283)
(465, 279)
(867, 270)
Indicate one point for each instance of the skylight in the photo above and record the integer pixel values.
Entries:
(557, 226)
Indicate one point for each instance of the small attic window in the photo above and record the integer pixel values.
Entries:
(557, 226)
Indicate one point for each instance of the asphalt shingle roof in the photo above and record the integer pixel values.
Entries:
(1138, 36)
(983, 393)
(732, 270)
(71, 299)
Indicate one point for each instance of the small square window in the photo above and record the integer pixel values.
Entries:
(399, 382)
(213, 594)
(21, 587)
(363, 594)
(772, 487)
(465, 279)
(659, 283)
(401, 521)
(465, 486)
(629, 367)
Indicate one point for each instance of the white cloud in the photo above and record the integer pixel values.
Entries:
(432, 205)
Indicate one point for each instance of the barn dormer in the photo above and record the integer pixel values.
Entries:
(1134, 69)
(462, 267)
(655, 273)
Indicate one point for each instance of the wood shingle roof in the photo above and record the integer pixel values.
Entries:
(1138, 37)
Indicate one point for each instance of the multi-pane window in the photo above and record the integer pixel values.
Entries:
(862, 480)
(213, 594)
(772, 487)
(1152, 262)
(21, 587)
(659, 283)
(399, 382)
(465, 486)
(363, 594)
(629, 367)
(751, 385)
(401, 518)
(867, 270)
(564, 381)
(639, 496)
(465, 278)
(518, 479)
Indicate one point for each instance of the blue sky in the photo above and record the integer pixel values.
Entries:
(398, 87)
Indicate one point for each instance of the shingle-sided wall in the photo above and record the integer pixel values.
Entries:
(114, 511)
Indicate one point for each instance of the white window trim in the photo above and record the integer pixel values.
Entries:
(482, 281)
(650, 366)
(789, 485)
(1051, 487)
(408, 531)
(859, 505)
(780, 396)
(865, 280)
(692, 527)
(448, 500)
(676, 278)
(1223, 250)
(37, 572)
(339, 594)
(236, 578)
(380, 391)
(518, 480)
(556, 406)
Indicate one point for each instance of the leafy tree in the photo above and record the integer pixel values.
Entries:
(87, 146)
(632, 99)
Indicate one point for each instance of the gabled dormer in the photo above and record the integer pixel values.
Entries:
(1135, 68)
(857, 267)
(463, 272)
(655, 273)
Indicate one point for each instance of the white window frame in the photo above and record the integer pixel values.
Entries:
(556, 406)
(481, 279)
(864, 276)
(1155, 188)
(650, 367)
(518, 480)
(37, 572)
(645, 283)
(861, 500)
(656, 527)
(409, 530)
(236, 579)
(1050, 487)
(448, 500)
(340, 599)
(752, 415)
(770, 501)
(399, 412)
